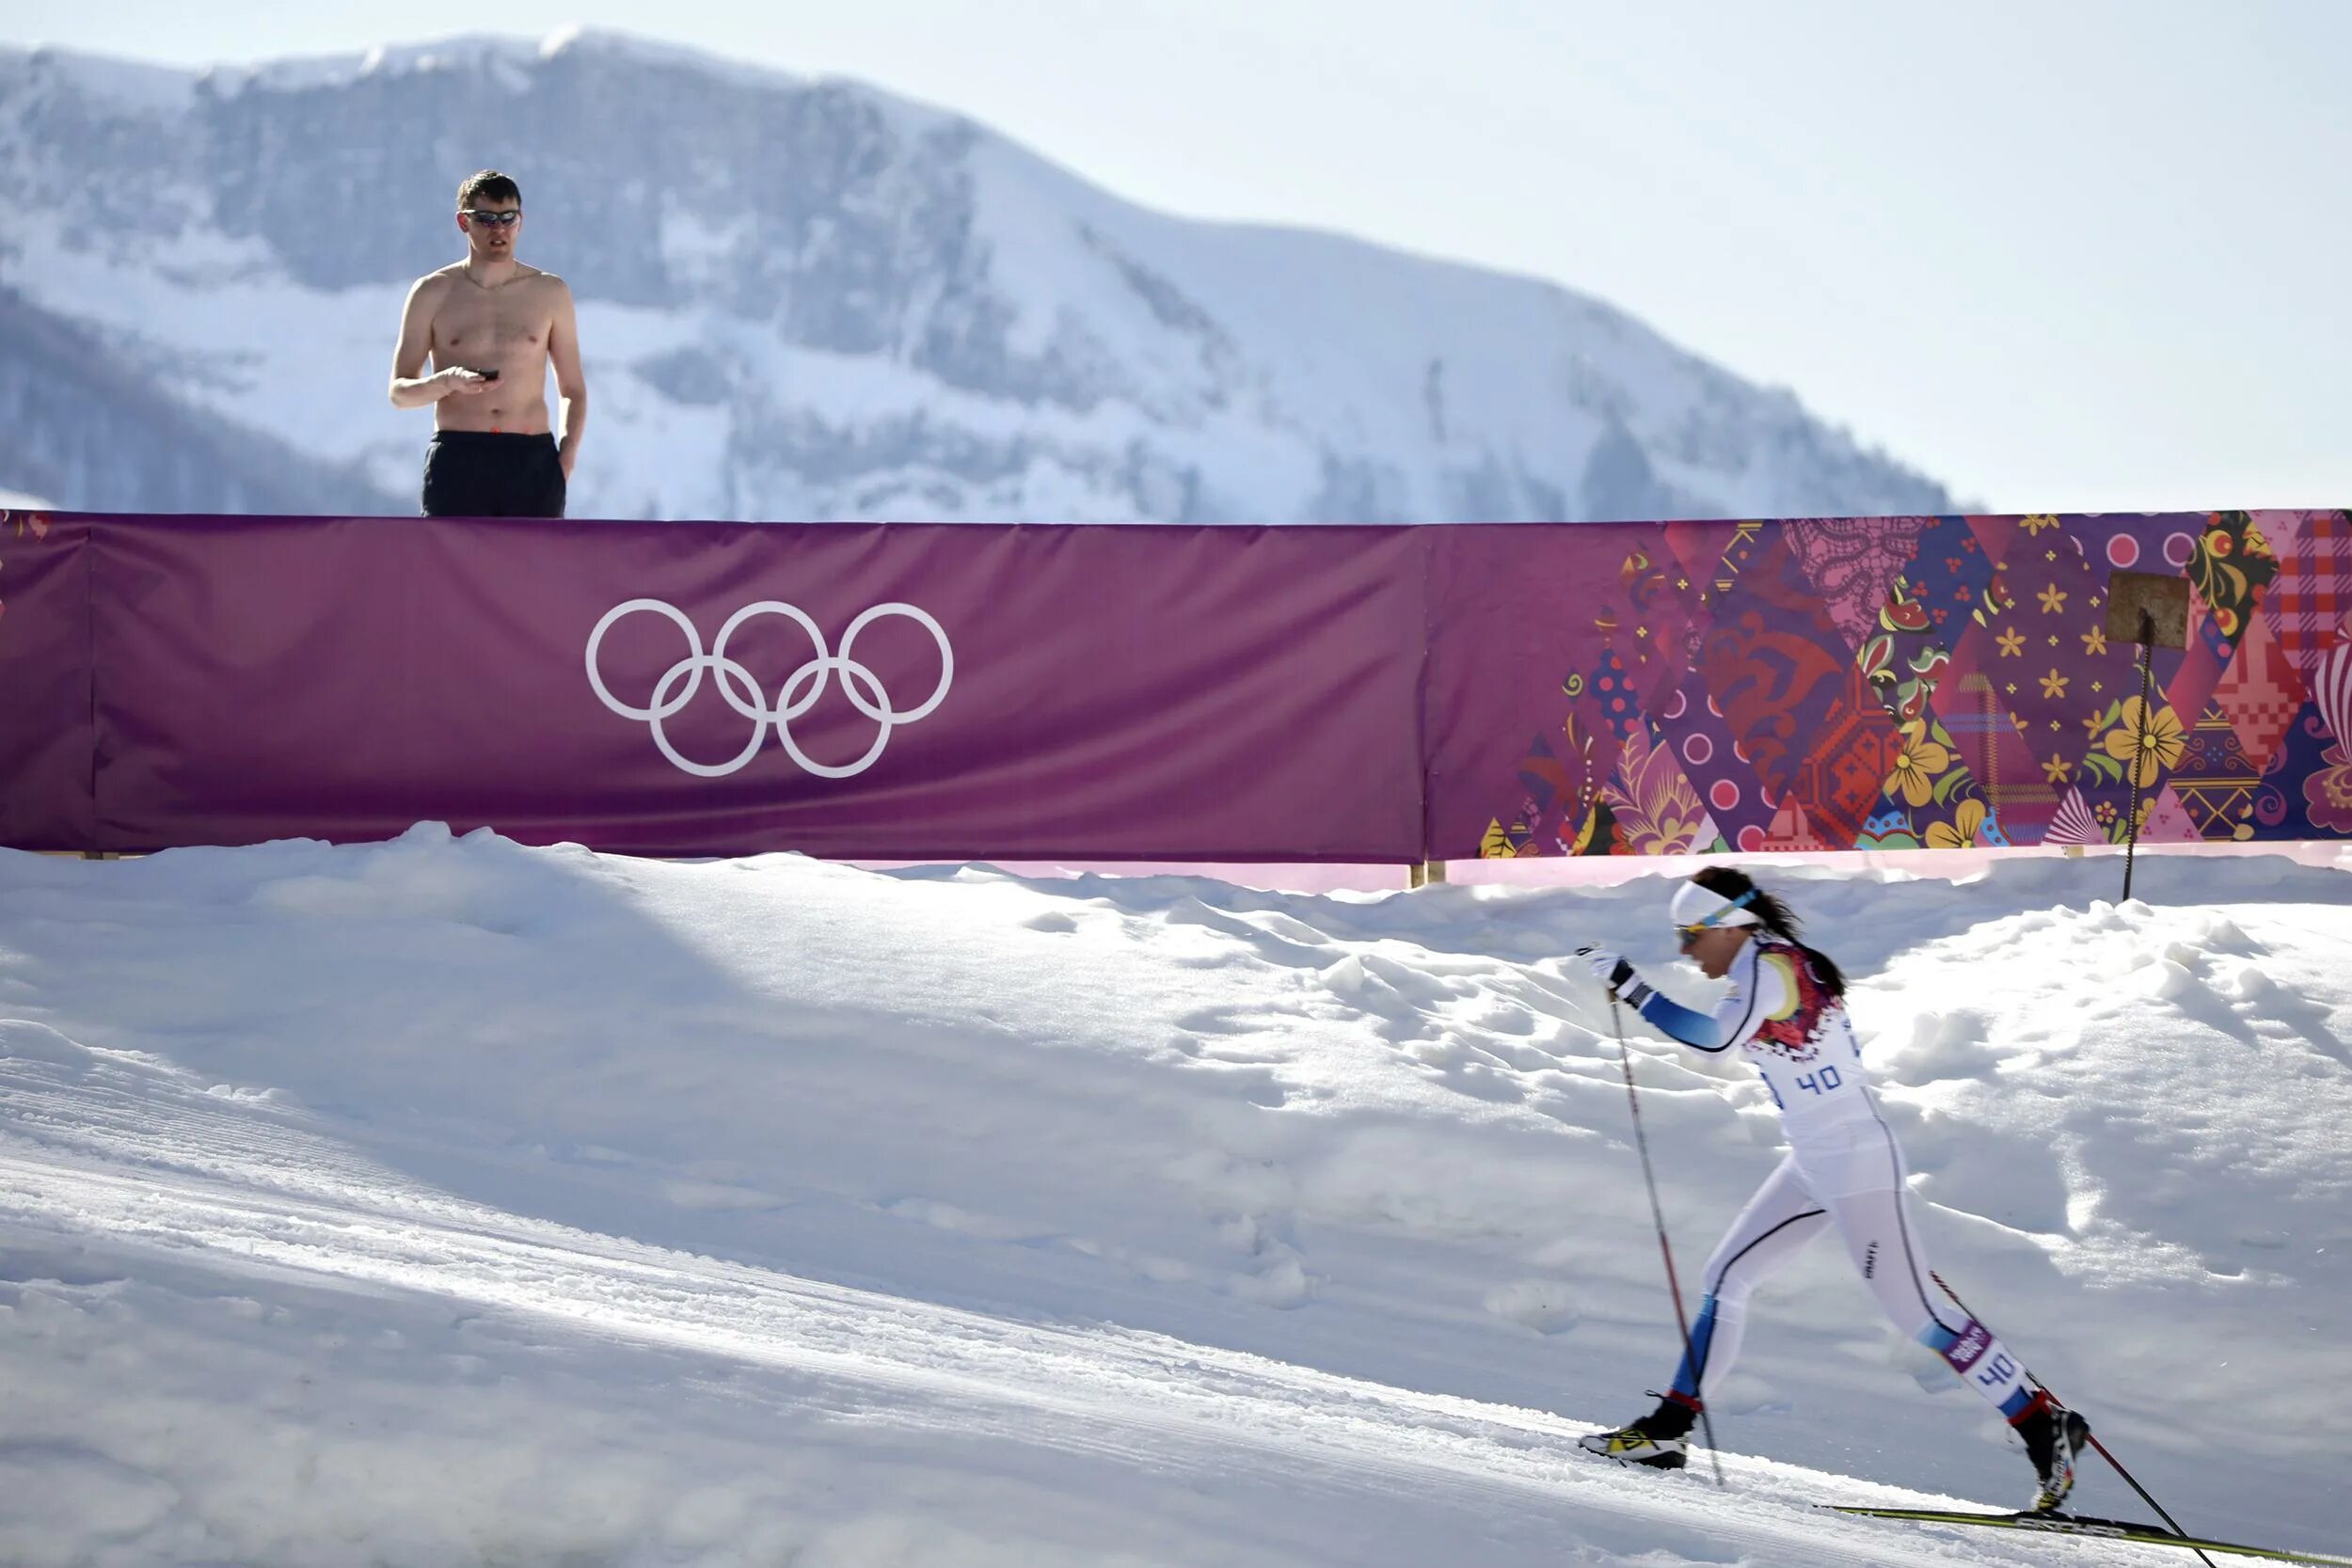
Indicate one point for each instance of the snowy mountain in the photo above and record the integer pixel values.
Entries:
(448, 1201)
(75, 421)
(799, 299)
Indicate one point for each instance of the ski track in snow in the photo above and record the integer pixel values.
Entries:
(1142, 1399)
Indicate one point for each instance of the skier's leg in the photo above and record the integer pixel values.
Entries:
(1865, 1193)
(1778, 1221)
(1863, 1188)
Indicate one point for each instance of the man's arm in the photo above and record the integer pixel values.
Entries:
(411, 387)
(571, 384)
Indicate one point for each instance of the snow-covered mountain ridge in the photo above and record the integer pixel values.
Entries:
(807, 299)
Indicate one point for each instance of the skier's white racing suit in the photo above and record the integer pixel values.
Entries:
(1843, 1171)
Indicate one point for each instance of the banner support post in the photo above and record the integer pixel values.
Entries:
(2151, 610)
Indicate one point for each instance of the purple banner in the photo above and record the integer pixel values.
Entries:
(902, 691)
(1355, 694)
(45, 736)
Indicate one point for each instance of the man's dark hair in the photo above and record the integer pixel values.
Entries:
(490, 185)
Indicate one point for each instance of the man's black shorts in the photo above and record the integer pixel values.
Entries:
(476, 473)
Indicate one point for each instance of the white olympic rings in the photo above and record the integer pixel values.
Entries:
(796, 696)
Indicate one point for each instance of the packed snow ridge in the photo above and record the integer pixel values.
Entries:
(449, 1202)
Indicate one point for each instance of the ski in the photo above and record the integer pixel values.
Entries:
(2102, 1529)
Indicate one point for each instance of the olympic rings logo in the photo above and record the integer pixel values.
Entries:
(799, 693)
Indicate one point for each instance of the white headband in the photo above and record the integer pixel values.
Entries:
(1694, 905)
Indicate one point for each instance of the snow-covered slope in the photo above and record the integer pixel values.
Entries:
(809, 299)
(454, 1203)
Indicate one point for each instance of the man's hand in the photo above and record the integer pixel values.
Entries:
(462, 382)
(1610, 970)
(567, 455)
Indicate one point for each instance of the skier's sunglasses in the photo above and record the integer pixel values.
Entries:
(1688, 934)
(496, 220)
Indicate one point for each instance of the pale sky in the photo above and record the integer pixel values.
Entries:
(2062, 255)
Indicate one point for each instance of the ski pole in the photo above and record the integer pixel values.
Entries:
(1658, 1218)
(2174, 1525)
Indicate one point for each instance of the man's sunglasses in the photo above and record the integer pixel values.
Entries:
(496, 220)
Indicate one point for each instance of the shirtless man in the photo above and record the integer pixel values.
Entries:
(491, 326)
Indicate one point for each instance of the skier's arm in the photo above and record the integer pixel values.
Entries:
(1759, 993)
(1697, 1030)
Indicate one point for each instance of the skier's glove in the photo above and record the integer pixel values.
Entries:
(1612, 971)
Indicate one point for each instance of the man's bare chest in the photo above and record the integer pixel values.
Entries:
(491, 322)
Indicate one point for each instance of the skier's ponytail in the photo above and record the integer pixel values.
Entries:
(1774, 916)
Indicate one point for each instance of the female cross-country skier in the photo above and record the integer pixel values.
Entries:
(1843, 1172)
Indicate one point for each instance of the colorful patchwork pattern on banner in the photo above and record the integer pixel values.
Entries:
(1710, 758)
(1932, 798)
(1796, 706)
(1935, 682)
(2312, 604)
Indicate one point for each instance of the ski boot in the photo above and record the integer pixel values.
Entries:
(2054, 1436)
(1656, 1440)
